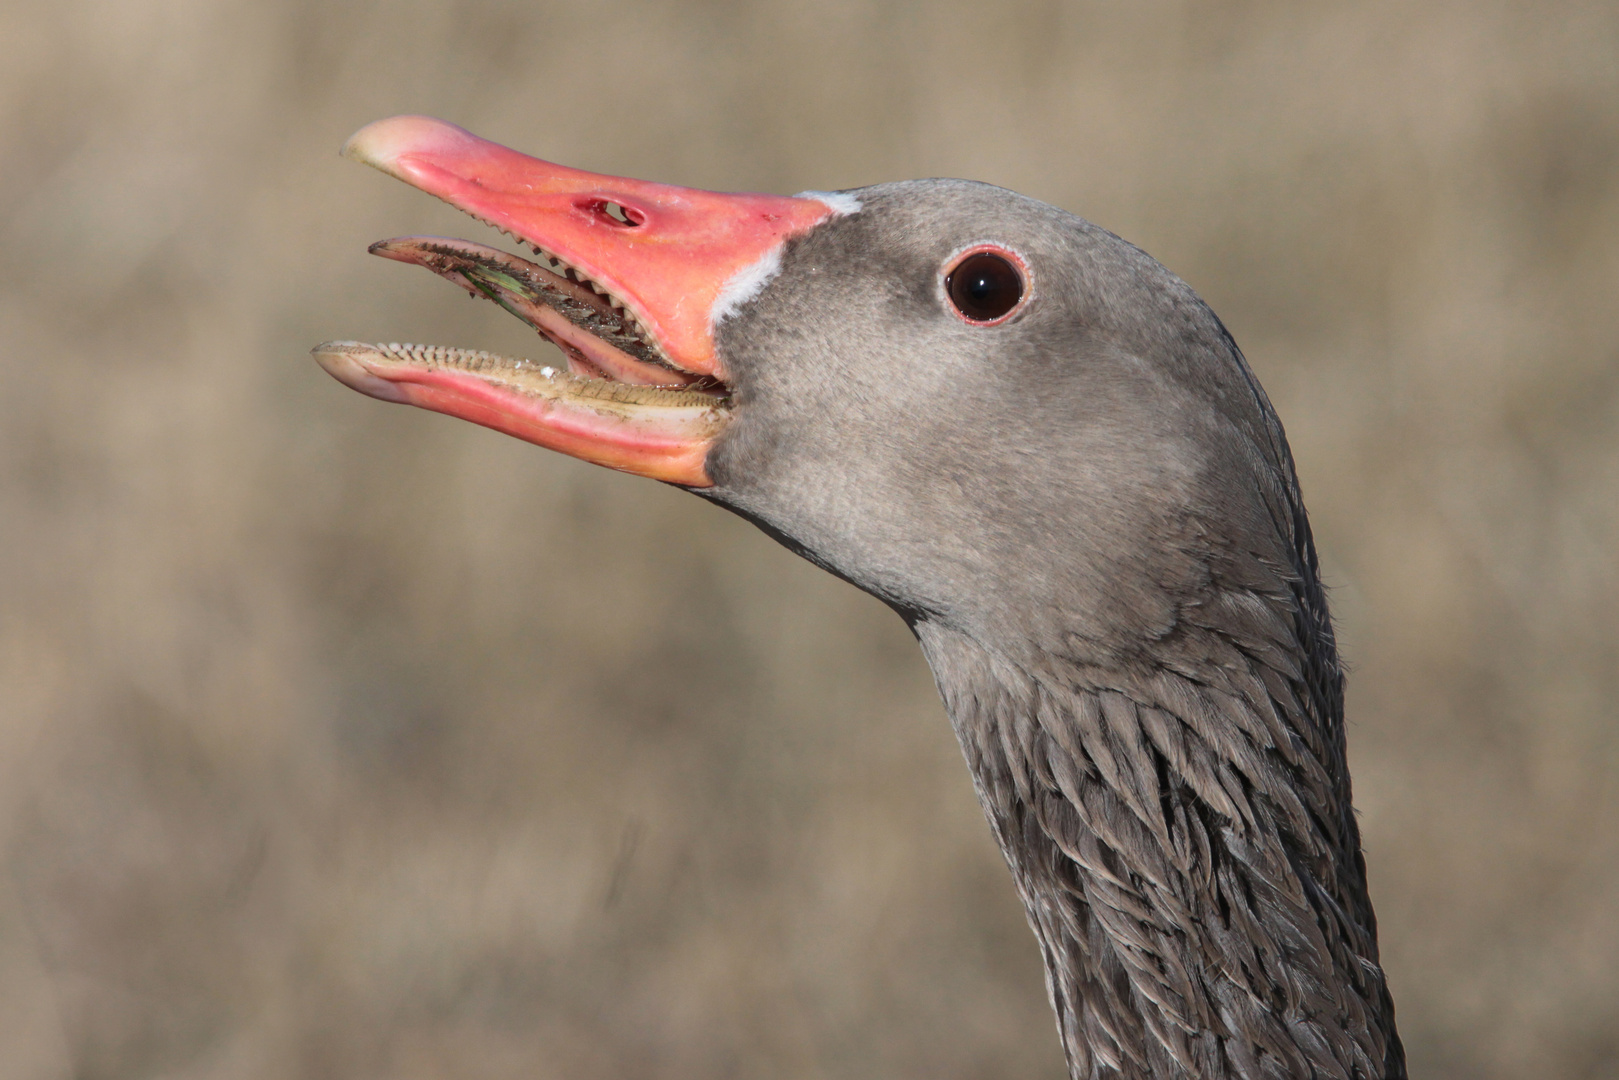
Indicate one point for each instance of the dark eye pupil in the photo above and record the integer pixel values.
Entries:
(984, 287)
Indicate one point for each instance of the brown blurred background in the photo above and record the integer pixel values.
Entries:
(343, 740)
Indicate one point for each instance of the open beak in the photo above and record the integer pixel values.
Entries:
(632, 279)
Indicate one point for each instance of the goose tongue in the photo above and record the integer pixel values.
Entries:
(596, 336)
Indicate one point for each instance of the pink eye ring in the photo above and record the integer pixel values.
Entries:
(986, 284)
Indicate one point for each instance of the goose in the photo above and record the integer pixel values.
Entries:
(1050, 458)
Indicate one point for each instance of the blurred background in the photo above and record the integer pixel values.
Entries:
(344, 740)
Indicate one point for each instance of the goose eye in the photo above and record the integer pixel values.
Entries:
(984, 287)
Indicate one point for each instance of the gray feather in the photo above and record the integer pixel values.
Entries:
(1091, 520)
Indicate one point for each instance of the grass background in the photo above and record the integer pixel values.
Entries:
(340, 740)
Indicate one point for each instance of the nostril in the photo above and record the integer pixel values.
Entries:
(613, 213)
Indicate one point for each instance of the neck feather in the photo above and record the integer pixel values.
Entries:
(1180, 830)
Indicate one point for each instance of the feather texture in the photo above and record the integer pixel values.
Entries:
(1184, 847)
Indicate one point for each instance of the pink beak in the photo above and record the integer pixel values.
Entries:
(669, 265)
(675, 258)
